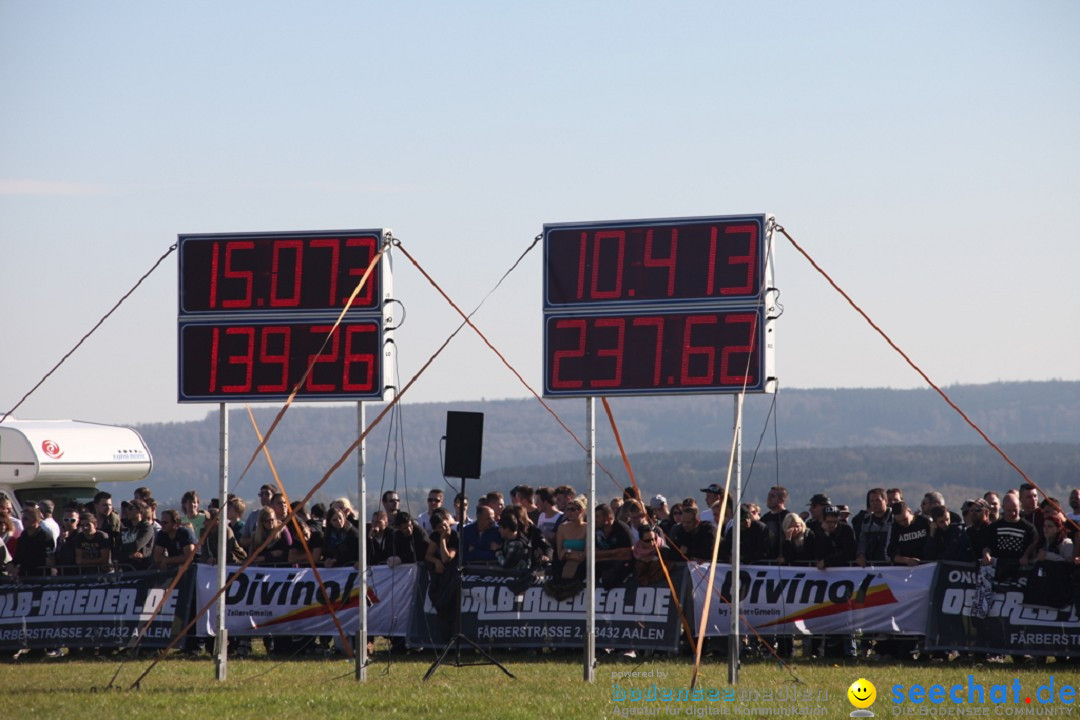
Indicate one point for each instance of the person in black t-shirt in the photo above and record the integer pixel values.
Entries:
(907, 536)
(409, 542)
(834, 541)
(753, 539)
(1011, 540)
(694, 538)
(31, 558)
(774, 521)
(93, 548)
(175, 543)
(947, 541)
(872, 529)
(614, 548)
(136, 538)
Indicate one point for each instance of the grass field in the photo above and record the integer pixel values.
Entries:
(546, 687)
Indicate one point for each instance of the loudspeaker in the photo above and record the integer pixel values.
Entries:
(464, 444)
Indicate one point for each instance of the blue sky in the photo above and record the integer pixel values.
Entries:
(924, 153)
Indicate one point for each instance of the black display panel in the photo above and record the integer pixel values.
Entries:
(654, 352)
(654, 262)
(260, 361)
(278, 272)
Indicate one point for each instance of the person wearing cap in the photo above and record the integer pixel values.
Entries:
(845, 514)
(658, 508)
(712, 493)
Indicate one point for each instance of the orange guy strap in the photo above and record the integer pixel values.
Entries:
(303, 541)
(663, 565)
(919, 370)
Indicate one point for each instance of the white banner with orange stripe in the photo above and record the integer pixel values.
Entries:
(805, 600)
(286, 601)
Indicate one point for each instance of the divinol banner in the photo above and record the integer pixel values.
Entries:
(974, 611)
(99, 611)
(805, 600)
(287, 601)
(500, 610)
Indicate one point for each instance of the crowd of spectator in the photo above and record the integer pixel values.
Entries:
(543, 532)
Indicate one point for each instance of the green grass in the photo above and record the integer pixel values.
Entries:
(546, 687)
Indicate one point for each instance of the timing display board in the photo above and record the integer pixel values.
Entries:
(255, 309)
(658, 307)
(653, 261)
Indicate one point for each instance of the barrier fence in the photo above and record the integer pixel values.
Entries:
(955, 606)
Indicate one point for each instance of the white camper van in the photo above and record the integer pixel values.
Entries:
(64, 460)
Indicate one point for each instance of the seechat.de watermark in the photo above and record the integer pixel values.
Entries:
(1049, 698)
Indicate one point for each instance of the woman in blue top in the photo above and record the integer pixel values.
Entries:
(570, 540)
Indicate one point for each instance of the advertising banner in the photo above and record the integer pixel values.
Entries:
(808, 601)
(509, 610)
(91, 611)
(971, 611)
(286, 601)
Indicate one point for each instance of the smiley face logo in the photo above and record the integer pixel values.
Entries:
(862, 693)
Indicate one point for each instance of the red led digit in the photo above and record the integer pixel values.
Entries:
(244, 359)
(556, 380)
(213, 359)
(329, 356)
(616, 352)
(658, 323)
(356, 333)
(749, 259)
(284, 335)
(750, 320)
(668, 262)
(293, 300)
(710, 284)
(363, 299)
(690, 351)
(332, 275)
(598, 238)
(215, 253)
(231, 274)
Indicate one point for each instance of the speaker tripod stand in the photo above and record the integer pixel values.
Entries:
(459, 637)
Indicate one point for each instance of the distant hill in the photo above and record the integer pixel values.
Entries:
(822, 435)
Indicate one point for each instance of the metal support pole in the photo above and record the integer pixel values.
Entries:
(735, 643)
(590, 542)
(221, 641)
(361, 485)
